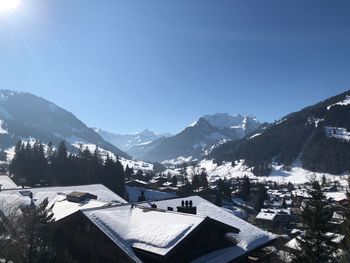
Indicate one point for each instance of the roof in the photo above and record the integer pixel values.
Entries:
(57, 198)
(336, 196)
(7, 183)
(40, 193)
(266, 216)
(146, 229)
(249, 238)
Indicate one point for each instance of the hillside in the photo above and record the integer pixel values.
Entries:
(28, 117)
(317, 136)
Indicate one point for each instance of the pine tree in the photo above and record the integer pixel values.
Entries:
(316, 244)
(218, 198)
(37, 236)
(346, 228)
(245, 190)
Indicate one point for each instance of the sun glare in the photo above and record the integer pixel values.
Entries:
(7, 5)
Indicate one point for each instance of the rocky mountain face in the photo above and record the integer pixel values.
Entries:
(136, 144)
(196, 139)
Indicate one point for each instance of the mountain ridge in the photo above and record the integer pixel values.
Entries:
(24, 115)
(202, 134)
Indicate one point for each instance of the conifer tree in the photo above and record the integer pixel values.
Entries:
(346, 228)
(37, 235)
(245, 190)
(316, 243)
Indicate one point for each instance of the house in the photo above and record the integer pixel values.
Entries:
(176, 230)
(251, 239)
(128, 233)
(273, 218)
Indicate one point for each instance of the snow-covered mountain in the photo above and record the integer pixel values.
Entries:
(27, 117)
(196, 139)
(317, 137)
(136, 144)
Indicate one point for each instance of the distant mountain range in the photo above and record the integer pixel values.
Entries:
(317, 136)
(136, 144)
(201, 136)
(25, 116)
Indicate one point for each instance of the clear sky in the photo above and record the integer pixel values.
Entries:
(129, 65)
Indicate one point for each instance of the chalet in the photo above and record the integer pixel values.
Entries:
(176, 230)
(252, 241)
(129, 233)
(273, 218)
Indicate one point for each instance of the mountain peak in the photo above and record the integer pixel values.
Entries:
(225, 120)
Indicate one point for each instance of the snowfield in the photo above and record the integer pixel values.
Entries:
(337, 132)
(280, 174)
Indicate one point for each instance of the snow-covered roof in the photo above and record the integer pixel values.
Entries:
(142, 228)
(294, 244)
(64, 208)
(7, 183)
(103, 193)
(266, 216)
(336, 196)
(57, 198)
(249, 238)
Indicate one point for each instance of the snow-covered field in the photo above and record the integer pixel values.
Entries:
(337, 132)
(295, 174)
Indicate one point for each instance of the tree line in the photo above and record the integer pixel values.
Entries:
(33, 165)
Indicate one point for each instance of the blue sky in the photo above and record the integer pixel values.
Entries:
(129, 65)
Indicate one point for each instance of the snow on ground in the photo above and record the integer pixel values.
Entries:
(296, 174)
(255, 135)
(2, 129)
(177, 161)
(344, 102)
(136, 165)
(337, 132)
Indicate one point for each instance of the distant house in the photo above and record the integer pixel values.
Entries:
(136, 183)
(273, 218)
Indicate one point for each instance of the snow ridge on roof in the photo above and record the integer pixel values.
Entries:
(150, 230)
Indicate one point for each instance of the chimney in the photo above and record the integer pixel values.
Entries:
(187, 207)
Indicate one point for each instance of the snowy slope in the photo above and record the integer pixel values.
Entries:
(24, 115)
(295, 174)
